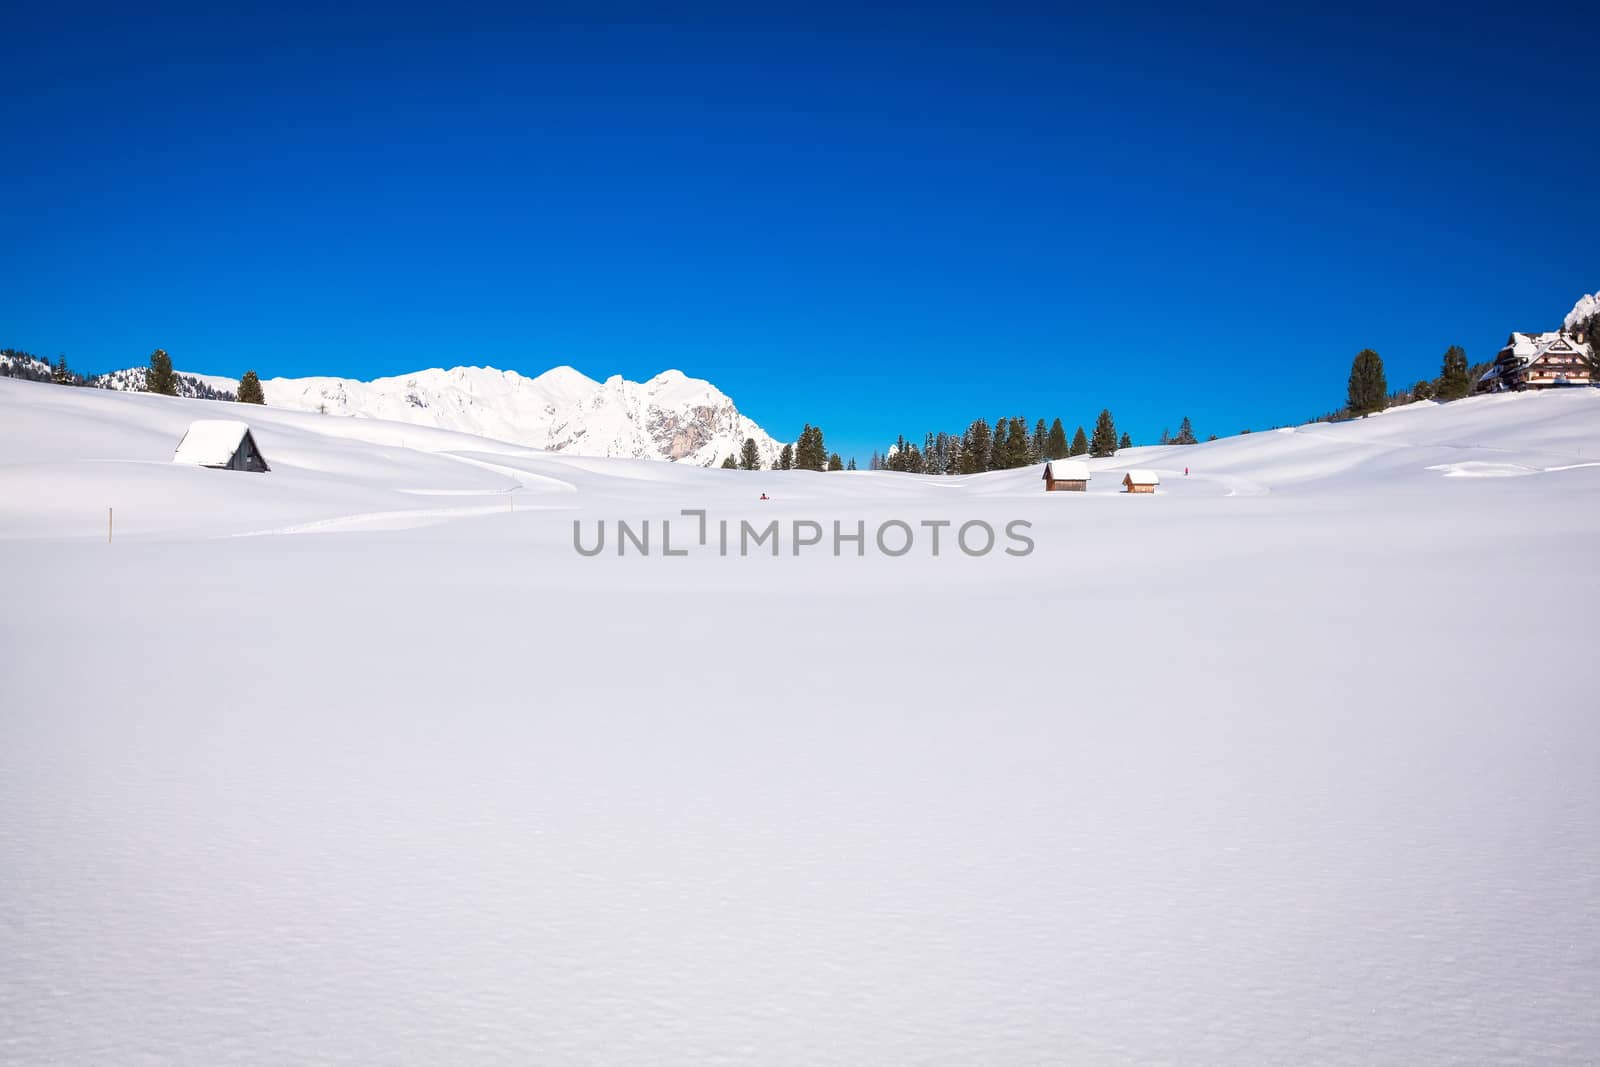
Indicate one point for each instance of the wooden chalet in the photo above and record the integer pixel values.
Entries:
(1538, 361)
(1141, 481)
(226, 444)
(1066, 475)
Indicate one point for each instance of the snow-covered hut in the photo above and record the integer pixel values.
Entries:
(1066, 475)
(1141, 481)
(223, 443)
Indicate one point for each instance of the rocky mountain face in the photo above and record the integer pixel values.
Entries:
(671, 416)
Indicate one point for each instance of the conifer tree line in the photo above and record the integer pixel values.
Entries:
(808, 453)
(1367, 389)
(1007, 444)
(15, 363)
(1185, 434)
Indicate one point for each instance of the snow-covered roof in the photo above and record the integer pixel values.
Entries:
(1067, 470)
(1528, 347)
(1142, 477)
(210, 442)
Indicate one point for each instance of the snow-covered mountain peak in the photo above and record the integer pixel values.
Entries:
(674, 386)
(1587, 307)
(670, 416)
(564, 380)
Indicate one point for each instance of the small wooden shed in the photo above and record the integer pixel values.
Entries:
(223, 443)
(1066, 475)
(1141, 481)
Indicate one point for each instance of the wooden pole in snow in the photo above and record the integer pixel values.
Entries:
(108, 525)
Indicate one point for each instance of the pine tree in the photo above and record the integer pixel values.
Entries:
(1080, 442)
(1036, 453)
(250, 391)
(998, 446)
(851, 465)
(1453, 381)
(1020, 450)
(940, 462)
(1126, 442)
(835, 463)
(730, 464)
(750, 455)
(1586, 332)
(1368, 391)
(1105, 436)
(159, 377)
(1423, 390)
(1166, 436)
(1055, 442)
(975, 448)
(811, 454)
(785, 459)
(60, 374)
(896, 460)
(1591, 361)
(804, 449)
(1185, 433)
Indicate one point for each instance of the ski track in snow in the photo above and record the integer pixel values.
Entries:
(1482, 469)
(405, 519)
(1294, 762)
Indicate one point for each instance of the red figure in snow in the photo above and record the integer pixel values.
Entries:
(763, 496)
(1186, 472)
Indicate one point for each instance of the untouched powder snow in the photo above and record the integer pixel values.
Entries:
(1293, 761)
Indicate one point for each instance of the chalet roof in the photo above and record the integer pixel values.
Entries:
(211, 442)
(1141, 477)
(1067, 470)
(1527, 348)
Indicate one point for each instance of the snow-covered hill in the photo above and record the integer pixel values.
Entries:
(30, 368)
(671, 416)
(359, 761)
(195, 386)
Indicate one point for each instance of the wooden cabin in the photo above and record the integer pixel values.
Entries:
(226, 444)
(1066, 475)
(1141, 481)
(1538, 361)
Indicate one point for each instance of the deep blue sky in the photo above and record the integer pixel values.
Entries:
(880, 222)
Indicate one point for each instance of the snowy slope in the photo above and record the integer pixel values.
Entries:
(671, 416)
(1293, 761)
